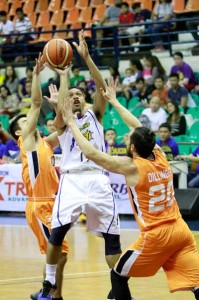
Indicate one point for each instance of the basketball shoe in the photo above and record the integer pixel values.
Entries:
(35, 295)
(46, 291)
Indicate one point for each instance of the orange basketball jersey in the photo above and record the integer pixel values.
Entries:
(38, 173)
(153, 199)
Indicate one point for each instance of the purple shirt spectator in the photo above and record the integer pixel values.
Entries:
(170, 148)
(184, 71)
(11, 149)
(196, 153)
(176, 96)
(2, 149)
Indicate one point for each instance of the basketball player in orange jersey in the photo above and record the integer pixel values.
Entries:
(84, 187)
(39, 174)
(165, 240)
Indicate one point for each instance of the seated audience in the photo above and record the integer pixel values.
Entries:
(193, 177)
(163, 12)
(112, 147)
(22, 25)
(177, 93)
(166, 142)
(152, 69)
(140, 16)
(176, 119)
(110, 18)
(22, 83)
(6, 27)
(185, 72)
(11, 80)
(12, 152)
(161, 91)
(25, 103)
(49, 128)
(8, 103)
(193, 26)
(77, 76)
(128, 83)
(143, 92)
(125, 17)
(155, 113)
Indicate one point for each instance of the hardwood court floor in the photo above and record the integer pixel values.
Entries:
(86, 273)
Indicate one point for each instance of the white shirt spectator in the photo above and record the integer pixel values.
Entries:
(23, 26)
(163, 9)
(6, 28)
(156, 118)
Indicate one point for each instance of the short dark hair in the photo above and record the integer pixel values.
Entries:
(74, 67)
(136, 5)
(165, 125)
(176, 75)
(159, 77)
(125, 4)
(113, 129)
(19, 9)
(144, 141)
(178, 54)
(14, 125)
(140, 79)
(3, 13)
(78, 88)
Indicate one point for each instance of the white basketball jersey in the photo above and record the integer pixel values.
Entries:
(72, 156)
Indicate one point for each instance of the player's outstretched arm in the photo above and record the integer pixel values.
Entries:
(36, 99)
(116, 164)
(109, 94)
(99, 105)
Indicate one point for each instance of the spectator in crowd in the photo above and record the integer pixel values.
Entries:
(155, 113)
(193, 26)
(8, 102)
(49, 127)
(6, 27)
(22, 25)
(125, 17)
(163, 12)
(193, 177)
(12, 152)
(77, 76)
(152, 69)
(11, 80)
(25, 103)
(4, 137)
(143, 92)
(185, 72)
(166, 142)
(22, 92)
(161, 90)
(176, 119)
(128, 83)
(140, 16)
(112, 147)
(136, 68)
(177, 93)
(114, 72)
(110, 18)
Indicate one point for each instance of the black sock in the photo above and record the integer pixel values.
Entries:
(196, 293)
(110, 295)
(120, 286)
(60, 298)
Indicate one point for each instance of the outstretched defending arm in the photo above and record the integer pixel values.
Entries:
(36, 100)
(109, 95)
(99, 105)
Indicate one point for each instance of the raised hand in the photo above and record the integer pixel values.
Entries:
(40, 64)
(64, 71)
(67, 114)
(53, 94)
(109, 93)
(82, 48)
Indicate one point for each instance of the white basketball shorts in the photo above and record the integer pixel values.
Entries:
(89, 192)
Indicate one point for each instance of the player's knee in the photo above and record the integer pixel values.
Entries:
(58, 234)
(112, 244)
(62, 260)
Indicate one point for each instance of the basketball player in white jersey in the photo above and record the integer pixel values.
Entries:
(84, 187)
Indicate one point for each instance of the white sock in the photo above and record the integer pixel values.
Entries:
(50, 273)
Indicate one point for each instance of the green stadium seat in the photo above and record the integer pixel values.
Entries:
(132, 103)
(137, 111)
(184, 149)
(4, 120)
(194, 131)
(121, 130)
(194, 111)
(122, 101)
(106, 121)
(195, 98)
(197, 76)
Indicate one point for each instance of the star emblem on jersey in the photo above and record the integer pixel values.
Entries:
(88, 135)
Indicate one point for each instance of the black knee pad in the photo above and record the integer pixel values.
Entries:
(196, 293)
(112, 243)
(58, 234)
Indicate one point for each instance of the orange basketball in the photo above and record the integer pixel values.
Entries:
(58, 53)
